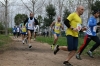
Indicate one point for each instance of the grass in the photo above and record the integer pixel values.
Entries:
(4, 40)
(63, 42)
(49, 40)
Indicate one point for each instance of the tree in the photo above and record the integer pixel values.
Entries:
(50, 13)
(95, 6)
(65, 14)
(40, 20)
(34, 8)
(6, 14)
(1, 28)
(20, 18)
(60, 5)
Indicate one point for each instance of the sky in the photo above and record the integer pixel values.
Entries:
(16, 6)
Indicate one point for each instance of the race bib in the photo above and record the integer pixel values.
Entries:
(94, 28)
(29, 25)
(79, 27)
(57, 28)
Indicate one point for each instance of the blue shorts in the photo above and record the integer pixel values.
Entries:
(72, 43)
(24, 33)
(56, 34)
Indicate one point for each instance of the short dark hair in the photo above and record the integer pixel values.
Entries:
(95, 11)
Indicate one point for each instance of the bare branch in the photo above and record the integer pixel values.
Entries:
(35, 0)
(5, 0)
(26, 6)
(2, 3)
(31, 3)
(40, 6)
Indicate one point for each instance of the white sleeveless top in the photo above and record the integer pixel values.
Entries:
(35, 29)
(30, 24)
(18, 30)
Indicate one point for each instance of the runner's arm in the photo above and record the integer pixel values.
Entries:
(66, 22)
(36, 22)
(62, 26)
(25, 21)
(91, 22)
(52, 24)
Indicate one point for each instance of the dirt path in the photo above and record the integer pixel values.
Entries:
(39, 55)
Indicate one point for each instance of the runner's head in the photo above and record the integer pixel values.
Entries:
(80, 10)
(96, 13)
(59, 18)
(14, 26)
(31, 14)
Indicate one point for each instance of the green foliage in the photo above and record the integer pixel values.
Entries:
(20, 18)
(10, 30)
(4, 40)
(96, 6)
(50, 10)
(47, 22)
(39, 18)
(66, 14)
(61, 41)
(1, 28)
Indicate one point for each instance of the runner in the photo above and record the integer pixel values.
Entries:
(23, 33)
(73, 22)
(31, 21)
(35, 31)
(14, 31)
(18, 31)
(56, 30)
(90, 35)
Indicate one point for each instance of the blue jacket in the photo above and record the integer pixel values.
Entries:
(14, 30)
(91, 26)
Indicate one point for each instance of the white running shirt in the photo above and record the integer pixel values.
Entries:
(18, 30)
(30, 24)
(35, 29)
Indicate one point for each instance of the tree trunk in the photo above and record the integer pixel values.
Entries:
(33, 5)
(6, 26)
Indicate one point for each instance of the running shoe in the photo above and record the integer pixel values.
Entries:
(52, 46)
(23, 41)
(30, 46)
(66, 63)
(78, 56)
(90, 54)
(26, 40)
(56, 49)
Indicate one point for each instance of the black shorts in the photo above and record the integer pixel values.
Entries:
(30, 31)
(72, 43)
(14, 33)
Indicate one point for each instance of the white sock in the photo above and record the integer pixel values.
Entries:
(90, 51)
(30, 45)
(23, 41)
